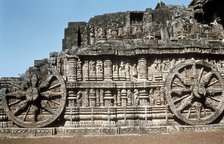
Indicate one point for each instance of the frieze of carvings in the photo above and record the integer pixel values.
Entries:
(125, 71)
(122, 97)
(33, 132)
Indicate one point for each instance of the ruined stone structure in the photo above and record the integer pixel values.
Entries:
(123, 73)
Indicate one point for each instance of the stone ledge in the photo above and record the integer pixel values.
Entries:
(97, 131)
(27, 132)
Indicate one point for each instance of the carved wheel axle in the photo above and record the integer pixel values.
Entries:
(195, 92)
(38, 101)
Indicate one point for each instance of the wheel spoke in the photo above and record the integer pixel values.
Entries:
(215, 99)
(17, 94)
(214, 91)
(206, 78)
(213, 83)
(210, 103)
(50, 94)
(193, 71)
(54, 86)
(179, 99)
(15, 102)
(186, 102)
(21, 106)
(46, 106)
(180, 85)
(200, 74)
(180, 91)
(180, 78)
(27, 111)
(55, 102)
(45, 83)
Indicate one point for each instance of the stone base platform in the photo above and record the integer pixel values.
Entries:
(106, 131)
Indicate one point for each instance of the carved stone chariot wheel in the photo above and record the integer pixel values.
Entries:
(195, 92)
(38, 101)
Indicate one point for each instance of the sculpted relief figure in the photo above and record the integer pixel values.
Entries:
(115, 68)
(120, 32)
(99, 70)
(115, 71)
(85, 68)
(86, 97)
(136, 97)
(127, 71)
(109, 34)
(129, 97)
(126, 32)
(138, 32)
(92, 35)
(155, 71)
(100, 33)
(166, 65)
(92, 66)
(79, 98)
(101, 97)
(133, 31)
(114, 33)
(134, 72)
(122, 70)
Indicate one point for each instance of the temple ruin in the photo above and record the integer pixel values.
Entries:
(136, 72)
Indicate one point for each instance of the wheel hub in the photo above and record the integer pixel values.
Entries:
(199, 91)
(32, 94)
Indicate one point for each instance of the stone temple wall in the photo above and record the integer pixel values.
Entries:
(131, 72)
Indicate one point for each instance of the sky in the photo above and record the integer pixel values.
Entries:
(31, 29)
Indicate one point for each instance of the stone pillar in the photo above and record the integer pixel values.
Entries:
(79, 70)
(79, 98)
(115, 71)
(92, 70)
(142, 69)
(107, 69)
(108, 97)
(65, 66)
(99, 70)
(71, 99)
(122, 72)
(71, 69)
(143, 98)
(97, 97)
(92, 98)
(129, 97)
(101, 97)
(128, 72)
(123, 97)
(85, 70)
(86, 97)
(118, 97)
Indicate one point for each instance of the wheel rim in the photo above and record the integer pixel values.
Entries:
(194, 92)
(38, 104)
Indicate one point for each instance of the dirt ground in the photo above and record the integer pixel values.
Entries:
(190, 138)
